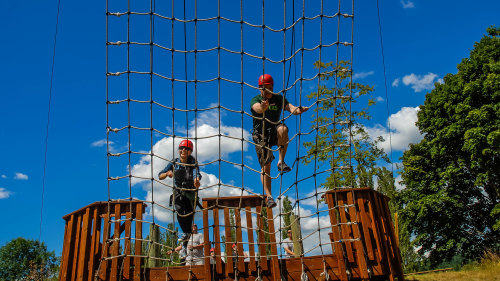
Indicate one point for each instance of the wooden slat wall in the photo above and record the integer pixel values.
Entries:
(83, 250)
(366, 231)
(368, 222)
(339, 252)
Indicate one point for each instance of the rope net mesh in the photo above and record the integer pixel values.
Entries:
(188, 70)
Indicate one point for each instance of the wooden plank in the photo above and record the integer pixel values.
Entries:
(206, 238)
(139, 210)
(115, 246)
(128, 233)
(67, 256)
(84, 249)
(251, 241)
(93, 245)
(339, 253)
(239, 240)
(392, 238)
(360, 253)
(375, 229)
(371, 233)
(76, 247)
(262, 239)
(365, 223)
(227, 228)
(382, 232)
(103, 271)
(272, 240)
(218, 259)
(346, 227)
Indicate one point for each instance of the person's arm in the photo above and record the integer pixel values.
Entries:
(259, 106)
(197, 180)
(296, 110)
(288, 251)
(167, 172)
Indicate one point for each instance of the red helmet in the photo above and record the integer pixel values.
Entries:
(266, 79)
(186, 143)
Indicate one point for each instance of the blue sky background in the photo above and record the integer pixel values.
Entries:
(423, 41)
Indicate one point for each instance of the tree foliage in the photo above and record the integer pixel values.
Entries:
(339, 125)
(21, 258)
(452, 176)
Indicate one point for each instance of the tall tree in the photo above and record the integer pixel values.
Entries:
(20, 257)
(338, 125)
(452, 176)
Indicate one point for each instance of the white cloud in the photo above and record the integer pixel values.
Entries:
(20, 176)
(407, 4)
(102, 143)
(361, 75)
(4, 193)
(4, 176)
(380, 99)
(421, 83)
(395, 83)
(206, 149)
(404, 130)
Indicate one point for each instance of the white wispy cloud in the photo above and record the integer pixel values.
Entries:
(361, 75)
(20, 176)
(102, 143)
(421, 83)
(380, 99)
(407, 4)
(395, 83)
(403, 130)
(4, 193)
(4, 176)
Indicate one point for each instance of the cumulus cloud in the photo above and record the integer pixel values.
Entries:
(4, 176)
(403, 130)
(4, 193)
(421, 83)
(361, 75)
(380, 99)
(21, 176)
(206, 149)
(407, 4)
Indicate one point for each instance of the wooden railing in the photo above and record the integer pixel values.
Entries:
(235, 265)
(104, 241)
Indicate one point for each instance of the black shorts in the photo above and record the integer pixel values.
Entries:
(265, 141)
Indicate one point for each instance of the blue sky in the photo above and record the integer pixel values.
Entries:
(423, 41)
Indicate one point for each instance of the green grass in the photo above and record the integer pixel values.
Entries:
(488, 269)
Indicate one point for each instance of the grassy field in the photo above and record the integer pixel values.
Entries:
(488, 270)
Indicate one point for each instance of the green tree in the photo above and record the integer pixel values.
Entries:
(338, 125)
(21, 258)
(452, 176)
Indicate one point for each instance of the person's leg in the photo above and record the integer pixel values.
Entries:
(282, 142)
(282, 131)
(266, 179)
(185, 214)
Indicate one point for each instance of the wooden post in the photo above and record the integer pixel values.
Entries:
(154, 248)
(296, 235)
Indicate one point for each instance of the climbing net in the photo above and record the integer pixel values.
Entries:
(188, 70)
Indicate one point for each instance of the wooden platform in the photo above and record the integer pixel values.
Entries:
(100, 242)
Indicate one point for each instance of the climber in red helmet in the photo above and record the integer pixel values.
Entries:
(269, 131)
(187, 178)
